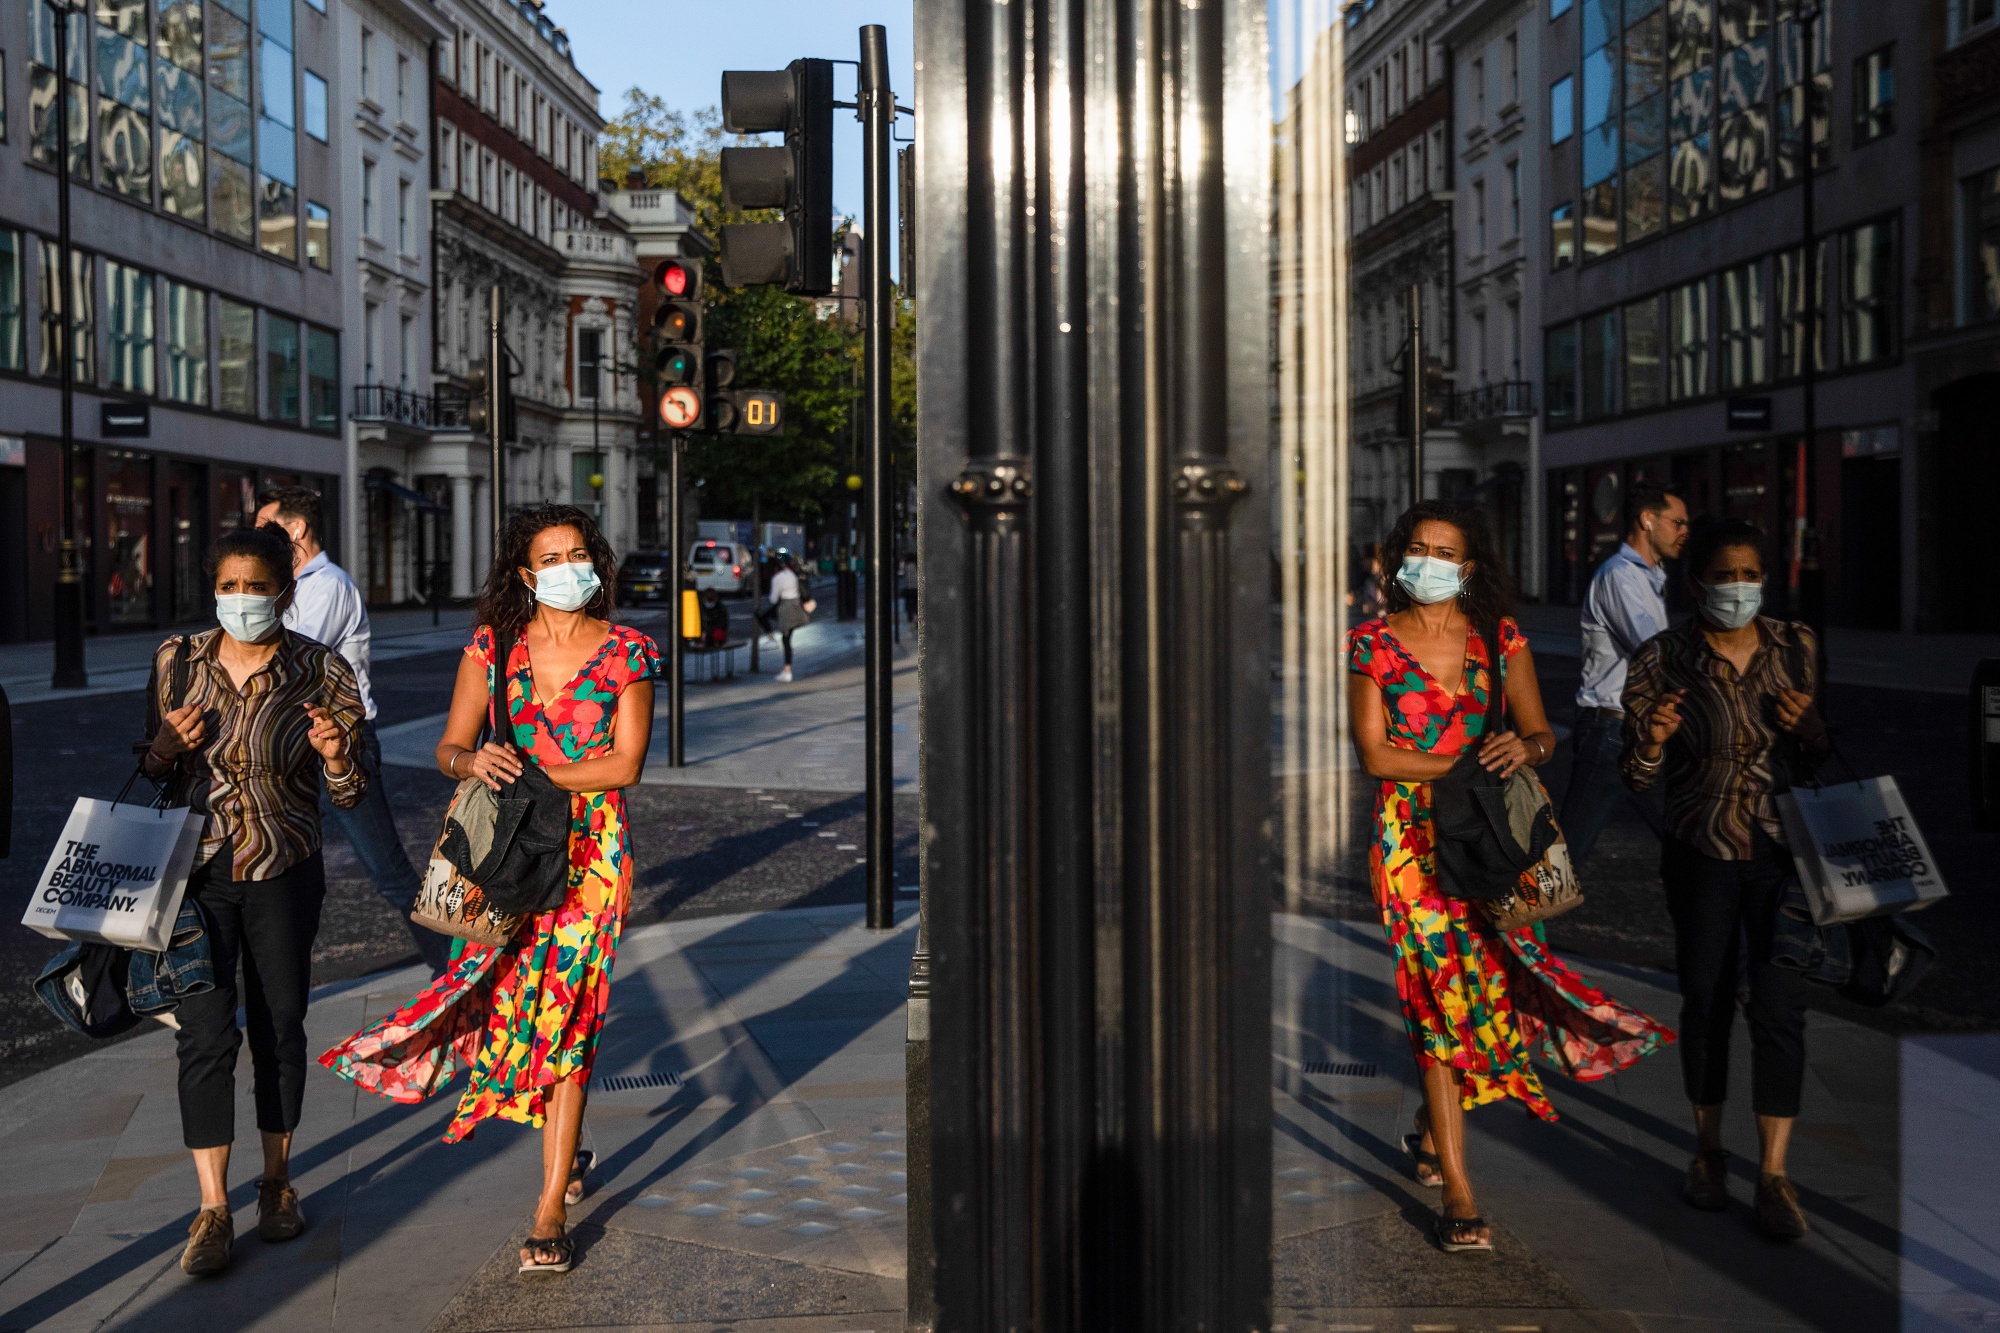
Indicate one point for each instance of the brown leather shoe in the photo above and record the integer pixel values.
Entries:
(1707, 1183)
(209, 1239)
(1778, 1212)
(279, 1216)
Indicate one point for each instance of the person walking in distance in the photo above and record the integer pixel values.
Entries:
(1720, 712)
(788, 610)
(267, 715)
(1622, 610)
(327, 608)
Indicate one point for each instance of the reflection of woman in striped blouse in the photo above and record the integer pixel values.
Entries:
(266, 713)
(1721, 710)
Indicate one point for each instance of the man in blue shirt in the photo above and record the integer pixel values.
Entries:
(1624, 608)
(328, 608)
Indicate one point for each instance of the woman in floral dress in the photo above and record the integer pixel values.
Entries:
(1476, 1003)
(524, 1017)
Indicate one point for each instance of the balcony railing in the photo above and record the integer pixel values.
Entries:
(447, 409)
(1488, 402)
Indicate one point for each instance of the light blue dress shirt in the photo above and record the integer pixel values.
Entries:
(1624, 607)
(329, 609)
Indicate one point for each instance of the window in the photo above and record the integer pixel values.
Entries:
(1794, 335)
(3, 101)
(589, 352)
(1643, 366)
(42, 91)
(404, 242)
(315, 106)
(1982, 227)
(277, 143)
(1794, 95)
(1513, 68)
(235, 357)
(1562, 237)
(367, 65)
(1479, 91)
(1687, 335)
(1514, 198)
(83, 326)
(1562, 109)
(1558, 8)
(320, 5)
(1875, 95)
(368, 199)
(1514, 340)
(1867, 294)
(1599, 355)
(232, 194)
(406, 350)
(12, 330)
(177, 76)
(281, 368)
(1559, 374)
(322, 379)
(129, 304)
(402, 88)
(1742, 315)
(371, 343)
(187, 343)
(1479, 216)
(319, 237)
(1972, 13)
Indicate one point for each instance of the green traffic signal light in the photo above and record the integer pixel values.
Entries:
(676, 365)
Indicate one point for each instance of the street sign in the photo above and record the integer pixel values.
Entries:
(680, 407)
(1749, 413)
(125, 421)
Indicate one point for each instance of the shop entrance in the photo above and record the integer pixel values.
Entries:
(1871, 542)
(1964, 473)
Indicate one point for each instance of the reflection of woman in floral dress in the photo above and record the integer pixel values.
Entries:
(524, 1018)
(1475, 1002)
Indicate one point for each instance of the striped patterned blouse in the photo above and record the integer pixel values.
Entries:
(257, 775)
(1728, 759)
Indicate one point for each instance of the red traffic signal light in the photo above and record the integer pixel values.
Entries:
(677, 278)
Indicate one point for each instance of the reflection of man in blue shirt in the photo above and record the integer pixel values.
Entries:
(1622, 610)
(328, 608)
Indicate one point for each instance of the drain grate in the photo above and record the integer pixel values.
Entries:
(668, 1078)
(1340, 1069)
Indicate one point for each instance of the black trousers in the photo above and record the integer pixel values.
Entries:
(1719, 909)
(268, 925)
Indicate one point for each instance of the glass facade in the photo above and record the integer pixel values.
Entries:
(236, 357)
(282, 388)
(128, 536)
(13, 318)
(187, 344)
(129, 320)
(83, 300)
(323, 379)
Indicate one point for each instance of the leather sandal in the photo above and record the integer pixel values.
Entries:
(1460, 1235)
(561, 1247)
(1421, 1161)
(579, 1168)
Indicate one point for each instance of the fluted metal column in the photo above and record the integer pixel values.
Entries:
(1094, 400)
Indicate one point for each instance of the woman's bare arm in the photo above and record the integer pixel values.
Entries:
(1371, 739)
(630, 736)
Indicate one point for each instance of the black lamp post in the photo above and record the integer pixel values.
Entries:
(69, 672)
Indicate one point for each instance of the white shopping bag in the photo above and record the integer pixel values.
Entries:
(1858, 851)
(117, 874)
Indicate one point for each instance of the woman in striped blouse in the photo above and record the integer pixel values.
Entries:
(1721, 711)
(266, 713)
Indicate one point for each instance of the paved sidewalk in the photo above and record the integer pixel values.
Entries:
(753, 1173)
(765, 1193)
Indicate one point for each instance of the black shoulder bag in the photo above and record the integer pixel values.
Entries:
(1475, 854)
(513, 843)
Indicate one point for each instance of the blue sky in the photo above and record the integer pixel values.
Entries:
(677, 50)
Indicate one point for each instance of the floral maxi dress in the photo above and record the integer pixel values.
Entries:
(525, 1015)
(1473, 998)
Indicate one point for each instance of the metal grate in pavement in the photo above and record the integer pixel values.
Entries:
(1340, 1069)
(666, 1078)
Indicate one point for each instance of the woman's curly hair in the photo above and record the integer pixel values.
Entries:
(505, 602)
(1488, 593)
(269, 545)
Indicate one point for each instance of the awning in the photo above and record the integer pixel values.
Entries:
(404, 493)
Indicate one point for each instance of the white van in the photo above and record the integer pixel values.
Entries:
(724, 566)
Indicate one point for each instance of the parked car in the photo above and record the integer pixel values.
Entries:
(723, 566)
(646, 576)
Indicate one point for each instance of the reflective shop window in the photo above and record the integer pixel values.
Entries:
(81, 292)
(43, 91)
(188, 531)
(187, 343)
(128, 537)
(282, 388)
(13, 325)
(323, 379)
(236, 357)
(129, 312)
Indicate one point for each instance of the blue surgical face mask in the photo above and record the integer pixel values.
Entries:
(246, 617)
(1731, 605)
(567, 587)
(1428, 579)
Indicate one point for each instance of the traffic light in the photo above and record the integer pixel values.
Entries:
(1437, 395)
(797, 178)
(677, 323)
(479, 403)
(720, 367)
